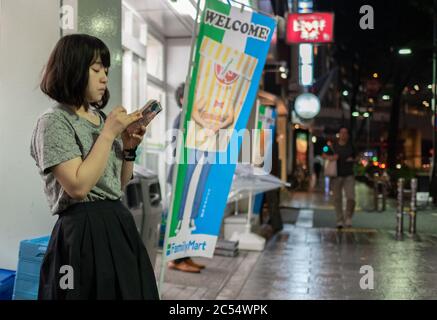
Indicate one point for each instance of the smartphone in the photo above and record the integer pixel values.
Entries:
(149, 111)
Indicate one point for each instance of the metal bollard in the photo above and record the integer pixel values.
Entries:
(379, 193)
(375, 190)
(413, 206)
(400, 209)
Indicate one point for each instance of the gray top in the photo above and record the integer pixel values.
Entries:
(61, 135)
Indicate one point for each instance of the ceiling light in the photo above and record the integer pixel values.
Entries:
(404, 51)
(183, 7)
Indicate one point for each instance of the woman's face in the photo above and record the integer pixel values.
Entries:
(97, 81)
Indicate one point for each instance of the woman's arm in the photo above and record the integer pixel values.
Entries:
(126, 173)
(130, 141)
(78, 176)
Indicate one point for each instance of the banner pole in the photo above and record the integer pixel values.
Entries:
(179, 147)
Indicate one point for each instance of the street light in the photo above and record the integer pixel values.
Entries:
(355, 114)
(345, 93)
(365, 114)
(385, 97)
(404, 51)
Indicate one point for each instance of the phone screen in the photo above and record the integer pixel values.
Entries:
(150, 110)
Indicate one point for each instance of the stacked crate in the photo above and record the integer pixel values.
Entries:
(31, 254)
(6, 284)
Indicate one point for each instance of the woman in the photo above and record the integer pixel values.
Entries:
(85, 161)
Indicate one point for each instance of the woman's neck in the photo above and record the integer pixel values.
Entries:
(81, 110)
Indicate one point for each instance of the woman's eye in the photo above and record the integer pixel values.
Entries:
(96, 70)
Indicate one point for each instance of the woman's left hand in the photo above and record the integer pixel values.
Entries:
(130, 141)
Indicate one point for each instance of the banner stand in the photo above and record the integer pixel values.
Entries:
(249, 240)
(178, 150)
(224, 74)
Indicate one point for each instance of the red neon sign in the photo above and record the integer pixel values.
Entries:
(316, 27)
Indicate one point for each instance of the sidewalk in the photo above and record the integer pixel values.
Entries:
(316, 263)
(365, 215)
(310, 259)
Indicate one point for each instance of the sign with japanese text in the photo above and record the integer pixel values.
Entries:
(314, 27)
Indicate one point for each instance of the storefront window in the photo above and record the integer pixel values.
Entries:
(155, 57)
(135, 83)
(155, 133)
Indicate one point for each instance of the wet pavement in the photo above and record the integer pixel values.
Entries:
(309, 259)
(308, 263)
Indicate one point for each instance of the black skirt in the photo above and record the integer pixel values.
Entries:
(98, 242)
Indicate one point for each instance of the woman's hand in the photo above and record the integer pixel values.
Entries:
(130, 141)
(118, 120)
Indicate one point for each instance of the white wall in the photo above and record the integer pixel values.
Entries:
(28, 32)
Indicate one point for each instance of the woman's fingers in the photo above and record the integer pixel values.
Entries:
(137, 136)
(134, 116)
(119, 109)
(142, 130)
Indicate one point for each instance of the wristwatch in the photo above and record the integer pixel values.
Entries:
(130, 154)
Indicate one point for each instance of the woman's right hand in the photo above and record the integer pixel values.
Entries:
(118, 120)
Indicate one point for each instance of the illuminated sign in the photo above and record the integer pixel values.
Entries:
(307, 106)
(314, 27)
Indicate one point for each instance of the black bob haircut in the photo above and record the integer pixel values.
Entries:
(66, 75)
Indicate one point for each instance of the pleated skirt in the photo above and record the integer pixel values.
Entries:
(96, 253)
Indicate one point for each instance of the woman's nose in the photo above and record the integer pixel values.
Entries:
(104, 78)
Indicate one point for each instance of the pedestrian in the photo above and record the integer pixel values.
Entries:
(344, 154)
(185, 264)
(317, 166)
(85, 159)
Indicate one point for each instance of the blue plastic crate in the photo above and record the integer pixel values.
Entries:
(18, 295)
(26, 285)
(30, 257)
(28, 267)
(34, 249)
(7, 278)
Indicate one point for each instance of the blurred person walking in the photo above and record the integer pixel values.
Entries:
(344, 154)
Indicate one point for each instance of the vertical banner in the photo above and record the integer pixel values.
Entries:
(229, 56)
(265, 125)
